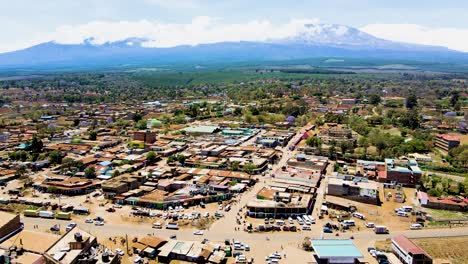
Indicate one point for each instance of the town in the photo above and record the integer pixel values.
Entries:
(298, 175)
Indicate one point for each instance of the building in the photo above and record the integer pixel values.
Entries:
(122, 183)
(405, 172)
(10, 225)
(446, 142)
(78, 247)
(341, 251)
(402, 172)
(148, 246)
(201, 130)
(357, 189)
(447, 203)
(69, 185)
(408, 252)
(145, 136)
(274, 204)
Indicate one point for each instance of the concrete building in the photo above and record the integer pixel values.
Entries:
(358, 189)
(77, 246)
(446, 142)
(270, 203)
(408, 252)
(145, 136)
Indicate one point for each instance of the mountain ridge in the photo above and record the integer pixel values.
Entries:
(314, 40)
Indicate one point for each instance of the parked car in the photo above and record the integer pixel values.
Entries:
(402, 214)
(99, 223)
(55, 228)
(370, 225)
(416, 226)
(198, 232)
(119, 252)
(70, 226)
(89, 221)
(327, 230)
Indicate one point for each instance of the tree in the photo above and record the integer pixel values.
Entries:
(141, 124)
(249, 167)
(235, 165)
(36, 145)
(55, 157)
(411, 101)
(375, 99)
(90, 173)
(137, 117)
(151, 157)
(314, 141)
(410, 119)
(92, 135)
(181, 159)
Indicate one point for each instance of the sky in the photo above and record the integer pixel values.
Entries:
(164, 23)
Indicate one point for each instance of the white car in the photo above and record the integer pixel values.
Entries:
(119, 252)
(220, 207)
(117, 206)
(416, 226)
(89, 221)
(99, 223)
(198, 232)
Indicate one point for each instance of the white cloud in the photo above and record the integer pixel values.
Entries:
(201, 29)
(452, 38)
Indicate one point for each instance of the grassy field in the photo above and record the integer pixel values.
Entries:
(450, 248)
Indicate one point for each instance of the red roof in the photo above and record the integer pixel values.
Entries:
(407, 245)
(448, 137)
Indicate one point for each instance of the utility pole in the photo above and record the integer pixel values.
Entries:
(126, 240)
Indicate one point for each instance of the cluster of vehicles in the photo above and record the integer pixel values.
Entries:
(380, 256)
(98, 221)
(239, 256)
(273, 258)
(403, 211)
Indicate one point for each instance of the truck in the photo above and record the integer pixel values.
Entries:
(46, 214)
(381, 230)
(63, 215)
(31, 213)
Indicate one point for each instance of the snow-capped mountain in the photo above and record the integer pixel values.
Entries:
(314, 40)
(344, 36)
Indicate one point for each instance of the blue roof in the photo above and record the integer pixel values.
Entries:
(326, 248)
(105, 163)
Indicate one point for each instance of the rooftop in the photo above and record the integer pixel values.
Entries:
(326, 248)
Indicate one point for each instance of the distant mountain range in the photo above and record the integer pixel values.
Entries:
(315, 40)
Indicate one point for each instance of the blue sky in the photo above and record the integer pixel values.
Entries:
(28, 22)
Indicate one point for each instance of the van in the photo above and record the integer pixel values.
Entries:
(402, 214)
(349, 223)
(359, 215)
(407, 208)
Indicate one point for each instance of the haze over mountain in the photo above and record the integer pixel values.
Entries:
(315, 40)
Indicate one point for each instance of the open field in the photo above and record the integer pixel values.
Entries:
(453, 248)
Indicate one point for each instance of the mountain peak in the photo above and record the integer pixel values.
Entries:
(334, 34)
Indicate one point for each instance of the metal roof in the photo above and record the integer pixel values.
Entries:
(326, 248)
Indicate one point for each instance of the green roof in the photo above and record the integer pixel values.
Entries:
(326, 248)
